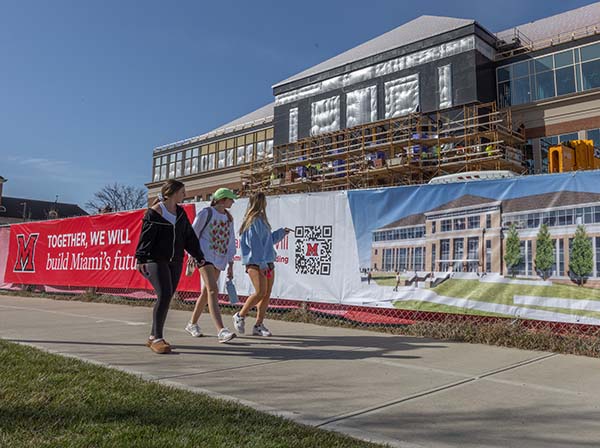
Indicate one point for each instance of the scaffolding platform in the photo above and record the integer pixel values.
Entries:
(406, 150)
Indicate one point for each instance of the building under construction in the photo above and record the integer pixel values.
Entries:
(434, 96)
(405, 150)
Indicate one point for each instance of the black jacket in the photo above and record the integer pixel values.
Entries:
(162, 241)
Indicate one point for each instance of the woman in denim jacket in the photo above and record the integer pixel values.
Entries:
(258, 255)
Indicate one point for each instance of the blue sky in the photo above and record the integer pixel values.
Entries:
(89, 88)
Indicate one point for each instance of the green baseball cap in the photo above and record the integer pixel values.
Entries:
(224, 193)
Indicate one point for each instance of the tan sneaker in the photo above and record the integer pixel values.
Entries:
(161, 347)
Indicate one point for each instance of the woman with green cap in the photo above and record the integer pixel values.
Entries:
(214, 228)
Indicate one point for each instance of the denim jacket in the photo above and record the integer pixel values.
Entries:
(257, 244)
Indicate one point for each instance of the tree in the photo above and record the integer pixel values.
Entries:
(117, 197)
(544, 252)
(581, 258)
(512, 256)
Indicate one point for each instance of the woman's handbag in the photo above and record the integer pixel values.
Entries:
(231, 292)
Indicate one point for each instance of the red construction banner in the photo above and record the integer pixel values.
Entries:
(94, 251)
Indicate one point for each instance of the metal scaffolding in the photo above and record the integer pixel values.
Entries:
(400, 151)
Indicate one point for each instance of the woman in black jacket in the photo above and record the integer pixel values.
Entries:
(166, 232)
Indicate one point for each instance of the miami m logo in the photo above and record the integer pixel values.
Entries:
(26, 253)
(312, 250)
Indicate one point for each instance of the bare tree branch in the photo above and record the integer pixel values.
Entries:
(118, 197)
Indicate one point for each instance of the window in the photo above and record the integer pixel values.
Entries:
(458, 254)
(459, 223)
(230, 158)
(195, 152)
(241, 155)
(472, 254)
(249, 153)
(488, 221)
(590, 52)
(594, 134)
(260, 150)
(211, 161)
(473, 222)
(446, 225)
(563, 59)
(561, 73)
(521, 92)
(433, 226)
(444, 255)
(565, 80)
(269, 150)
(221, 160)
(544, 85)
(591, 74)
(488, 256)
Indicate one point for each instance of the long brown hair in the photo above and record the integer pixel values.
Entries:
(257, 208)
(168, 189)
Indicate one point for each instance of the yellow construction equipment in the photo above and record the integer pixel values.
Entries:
(573, 155)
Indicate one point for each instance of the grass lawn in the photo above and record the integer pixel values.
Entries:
(50, 401)
(388, 279)
(503, 293)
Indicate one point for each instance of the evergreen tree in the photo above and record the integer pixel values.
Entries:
(512, 256)
(581, 258)
(544, 252)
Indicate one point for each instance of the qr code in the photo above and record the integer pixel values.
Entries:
(313, 249)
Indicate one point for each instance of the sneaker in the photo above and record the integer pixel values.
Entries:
(193, 329)
(225, 335)
(239, 323)
(260, 330)
(160, 346)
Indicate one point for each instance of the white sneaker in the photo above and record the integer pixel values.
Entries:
(225, 335)
(193, 329)
(261, 330)
(239, 323)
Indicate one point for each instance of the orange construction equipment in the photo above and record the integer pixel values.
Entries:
(573, 155)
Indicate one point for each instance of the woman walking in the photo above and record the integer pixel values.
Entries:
(166, 232)
(258, 255)
(214, 228)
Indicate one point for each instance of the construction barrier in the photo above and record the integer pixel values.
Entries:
(523, 248)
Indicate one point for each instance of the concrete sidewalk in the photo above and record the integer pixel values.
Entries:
(408, 392)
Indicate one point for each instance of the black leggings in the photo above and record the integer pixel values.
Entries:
(164, 278)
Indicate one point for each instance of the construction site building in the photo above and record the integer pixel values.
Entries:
(435, 96)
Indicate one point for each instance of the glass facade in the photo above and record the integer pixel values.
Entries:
(406, 233)
(222, 154)
(553, 218)
(561, 73)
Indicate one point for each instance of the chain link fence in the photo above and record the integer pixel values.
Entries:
(529, 334)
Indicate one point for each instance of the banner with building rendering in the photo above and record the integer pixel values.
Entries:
(526, 247)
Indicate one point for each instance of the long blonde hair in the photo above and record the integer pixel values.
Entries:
(257, 206)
